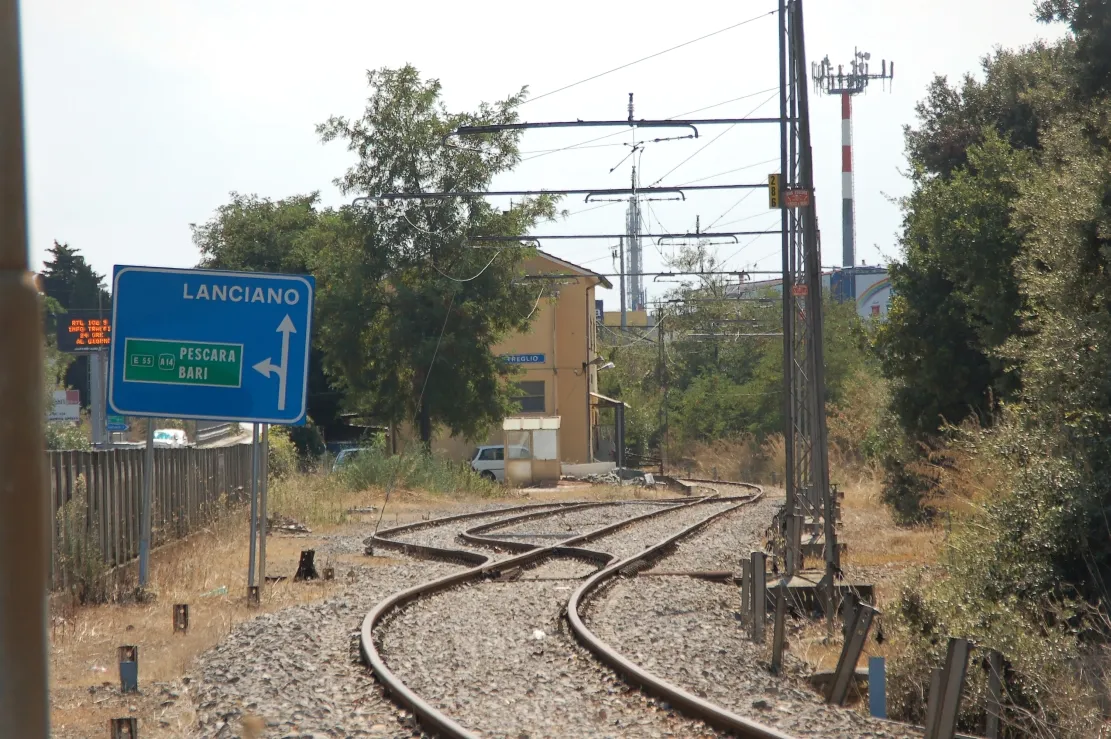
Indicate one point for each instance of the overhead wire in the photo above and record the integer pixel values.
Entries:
(651, 56)
(712, 141)
(585, 144)
(466, 279)
(749, 243)
(730, 209)
(730, 171)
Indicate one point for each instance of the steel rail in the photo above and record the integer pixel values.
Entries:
(691, 704)
(475, 536)
(429, 716)
(382, 540)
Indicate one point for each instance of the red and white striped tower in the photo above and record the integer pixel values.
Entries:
(855, 81)
(848, 245)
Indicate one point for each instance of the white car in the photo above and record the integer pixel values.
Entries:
(489, 461)
(169, 438)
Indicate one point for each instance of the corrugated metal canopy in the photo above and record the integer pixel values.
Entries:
(608, 402)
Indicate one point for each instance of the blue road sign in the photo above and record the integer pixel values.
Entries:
(117, 423)
(208, 344)
(523, 358)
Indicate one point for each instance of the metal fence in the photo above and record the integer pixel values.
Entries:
(189, 487)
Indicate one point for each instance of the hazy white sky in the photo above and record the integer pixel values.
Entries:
(142, 115)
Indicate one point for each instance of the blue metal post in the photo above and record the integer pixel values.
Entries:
(877, 687)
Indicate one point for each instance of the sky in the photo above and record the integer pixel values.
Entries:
(142, 117)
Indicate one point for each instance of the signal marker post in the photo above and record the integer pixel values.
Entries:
(201, 344)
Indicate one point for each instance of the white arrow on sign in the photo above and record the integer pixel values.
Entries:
(265, 367)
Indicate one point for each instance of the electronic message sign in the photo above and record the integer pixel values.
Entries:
(84, 331)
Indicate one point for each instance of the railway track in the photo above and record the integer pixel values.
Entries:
(488, 652)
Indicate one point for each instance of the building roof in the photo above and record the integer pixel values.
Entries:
(575, 269)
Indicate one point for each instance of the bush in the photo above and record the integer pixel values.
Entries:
(308, 440)
(79, 558)
(282, 457)
(416, 470)
(66, 435)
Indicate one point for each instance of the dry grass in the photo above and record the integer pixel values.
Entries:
(209, 572)
(879, 553)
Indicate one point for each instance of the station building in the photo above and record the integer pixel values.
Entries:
(558, 361)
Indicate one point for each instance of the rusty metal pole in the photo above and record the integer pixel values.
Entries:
(24, 513)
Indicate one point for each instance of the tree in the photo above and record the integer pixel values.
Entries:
(259, 234)
(69, 280)
(408, 307)
(72, 282)
(957, 300)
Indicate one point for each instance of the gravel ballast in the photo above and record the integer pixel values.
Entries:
(296, 670)
(446, 535)
(497, 659)
(722, 543)
(627, 541)
(686, 633)
(573, 523)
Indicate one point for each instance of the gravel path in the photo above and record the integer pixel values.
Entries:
(687, 633)
(297, 670)
(573, 523)
(496, 658)
(636, 538)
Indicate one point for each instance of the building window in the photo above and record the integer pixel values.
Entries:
(530, 396)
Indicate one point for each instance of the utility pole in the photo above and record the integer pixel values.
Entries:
(24, 510)
(808, 489)
(621, 286)
(633, 228)
(848, 84)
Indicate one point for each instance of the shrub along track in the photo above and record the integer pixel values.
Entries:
(479, 643)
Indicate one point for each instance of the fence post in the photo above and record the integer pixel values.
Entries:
(779, 633)
(877, 687)
(759, 595)
(850, 655)
(995, 694)
(746, 590)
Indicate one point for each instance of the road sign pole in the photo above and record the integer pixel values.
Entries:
(264, 485)
(98, 362)
(254, 506)
(24, 496)
(144, 507)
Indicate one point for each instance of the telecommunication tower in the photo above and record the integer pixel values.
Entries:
(847, 84)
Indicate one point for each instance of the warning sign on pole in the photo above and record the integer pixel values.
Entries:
(797, 198)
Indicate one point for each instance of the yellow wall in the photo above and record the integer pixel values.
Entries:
(632, 318)
(563, 330)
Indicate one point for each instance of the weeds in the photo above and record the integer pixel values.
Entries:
(415, 470)
(80, 560)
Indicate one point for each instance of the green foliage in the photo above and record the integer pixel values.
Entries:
(59, 435)
(430, 305)
(282, 456)
(1045, 694)
(724, 380)
(79, 558)
(258, 234)
(957, 300)
(414, 470)
(68, 279)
